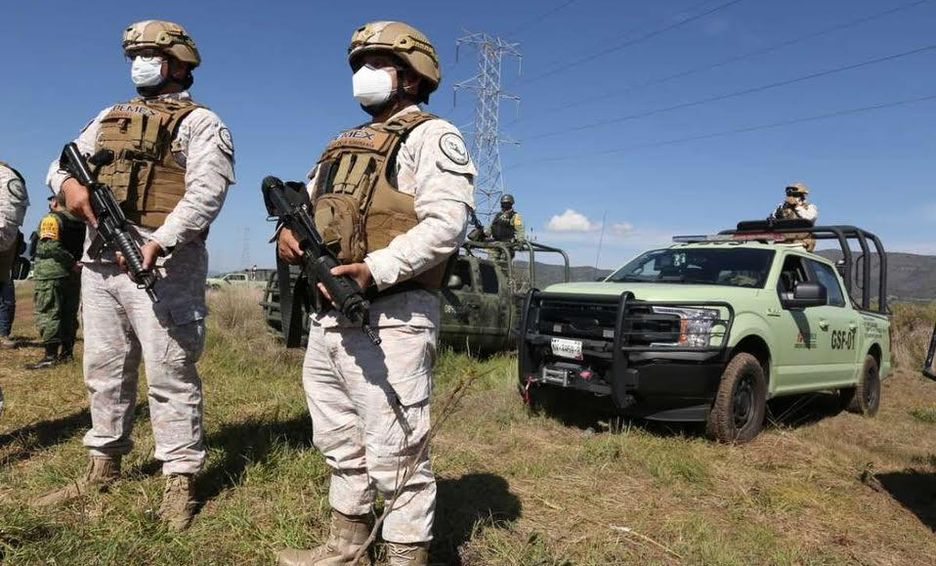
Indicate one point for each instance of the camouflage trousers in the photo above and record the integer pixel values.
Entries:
(121, 327)
(55, 302)
(370, 416)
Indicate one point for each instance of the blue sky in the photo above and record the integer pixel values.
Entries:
(276, 74)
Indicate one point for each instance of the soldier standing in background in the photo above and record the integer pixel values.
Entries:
(57, 274)
(794, 207)
(13, 203)
(174, 163)
(370, 404)
(507, 226)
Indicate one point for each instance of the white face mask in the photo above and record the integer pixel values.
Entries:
(146, 71)
(372, 87)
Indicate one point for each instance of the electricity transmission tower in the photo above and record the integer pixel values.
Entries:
(245, 249)
(485, 136)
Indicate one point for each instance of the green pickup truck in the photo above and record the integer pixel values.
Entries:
(712, 327)
(480, 302)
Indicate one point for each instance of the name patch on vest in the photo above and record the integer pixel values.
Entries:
(356, 134)
(129, 111)
(360, 138)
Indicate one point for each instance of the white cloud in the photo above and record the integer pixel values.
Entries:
(571, 221)
(622, 228)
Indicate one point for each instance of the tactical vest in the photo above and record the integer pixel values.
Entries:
(502, 227)
(358, 208)
(147, 179)
(805, 238)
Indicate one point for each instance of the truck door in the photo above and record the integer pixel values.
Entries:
(493, 309)
(798, 356)
(456, 316)
(838, 326)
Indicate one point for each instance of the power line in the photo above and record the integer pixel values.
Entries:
(639, 39)
(534, 21)
(734, 59)
(734, 94)
(736, 131)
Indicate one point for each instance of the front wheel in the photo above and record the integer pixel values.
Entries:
(737, 414)
(541, 398)
(866, 399)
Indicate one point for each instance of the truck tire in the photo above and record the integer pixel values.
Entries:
(866, 396)
(737, 414)
(542, 399)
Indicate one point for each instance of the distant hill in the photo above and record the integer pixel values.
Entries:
(548, 274)
(910, 277)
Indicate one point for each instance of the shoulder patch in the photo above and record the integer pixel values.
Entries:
(18, 189)
(454, 148)
(49, 228)
(226, 142)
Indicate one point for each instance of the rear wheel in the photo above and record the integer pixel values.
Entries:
(865, 398)
(737, 414)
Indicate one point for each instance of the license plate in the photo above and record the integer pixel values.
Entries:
(571, 349)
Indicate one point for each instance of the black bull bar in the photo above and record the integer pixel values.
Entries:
(621, 376)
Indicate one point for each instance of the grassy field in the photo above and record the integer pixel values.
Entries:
(818, 487)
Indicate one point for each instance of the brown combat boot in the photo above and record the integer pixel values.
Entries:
(347, 534)
(178, 504)
(407, 554)
(102, 472)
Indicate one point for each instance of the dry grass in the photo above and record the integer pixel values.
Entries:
(913, 326)
(583, 487)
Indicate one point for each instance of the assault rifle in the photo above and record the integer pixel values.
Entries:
(477, 234)
(928, 364)
(287, 202)
(113, 226)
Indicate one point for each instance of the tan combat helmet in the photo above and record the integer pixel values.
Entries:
(168, 37)
(402, 40)
(798, 187)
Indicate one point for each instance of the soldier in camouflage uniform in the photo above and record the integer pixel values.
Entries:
(13, 203)
(174, 164)
(796, 207)
(57, 274)
(507, 226)
(370, 404)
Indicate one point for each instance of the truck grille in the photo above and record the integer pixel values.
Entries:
(595, 320)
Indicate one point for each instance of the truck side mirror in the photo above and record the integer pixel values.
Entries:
(806, 294)
(454, 282)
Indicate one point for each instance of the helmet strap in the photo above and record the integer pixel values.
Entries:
(154, 90)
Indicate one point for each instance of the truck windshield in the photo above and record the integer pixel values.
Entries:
(734, 267)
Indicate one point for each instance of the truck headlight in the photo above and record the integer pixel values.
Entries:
(695, 325)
